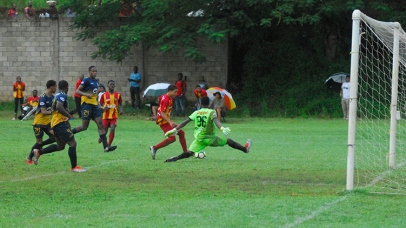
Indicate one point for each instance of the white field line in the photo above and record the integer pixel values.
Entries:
(32, 177)
(327, 206)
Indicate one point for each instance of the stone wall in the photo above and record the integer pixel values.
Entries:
(47, 49)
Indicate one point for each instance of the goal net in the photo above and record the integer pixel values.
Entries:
(377, 125)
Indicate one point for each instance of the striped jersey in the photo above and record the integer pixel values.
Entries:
(111, 100)
(18, 89)
(165, 106)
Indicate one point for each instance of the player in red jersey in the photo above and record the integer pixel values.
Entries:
(111, 102)
(165, 122)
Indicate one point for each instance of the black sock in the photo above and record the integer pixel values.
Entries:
(104, 140)
(48, 141)
(49, 149)
(74, 131)
(236, 145)
(185, 155)
(36, 146)
(73, 157)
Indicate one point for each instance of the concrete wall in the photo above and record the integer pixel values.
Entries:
(47, 49)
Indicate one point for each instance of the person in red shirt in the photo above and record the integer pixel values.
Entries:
(12, 13)
(111, 102)
(165, 122)
(199, 93)
(180, 98)
(77, 97)
(18, 88)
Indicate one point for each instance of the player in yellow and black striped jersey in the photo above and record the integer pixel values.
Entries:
(42, 120)
(60, 125)
(91, 109)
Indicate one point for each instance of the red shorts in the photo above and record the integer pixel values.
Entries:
(166, 127)
(108, 122)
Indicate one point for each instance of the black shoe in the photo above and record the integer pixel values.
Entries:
(110, 148)
(172, 159)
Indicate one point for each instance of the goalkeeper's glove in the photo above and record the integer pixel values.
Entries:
(171, 132)
(225, 130)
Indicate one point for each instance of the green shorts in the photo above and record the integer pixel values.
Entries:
(212, 140)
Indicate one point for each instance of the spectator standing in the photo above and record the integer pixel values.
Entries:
(199, 93)
(29, 11)
(77, 97)
(180, 98)
(165, 123)
(345, 96)
(135, 79)
(12, 12)
(18, 88)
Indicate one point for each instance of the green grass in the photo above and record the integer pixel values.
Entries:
(294, 176)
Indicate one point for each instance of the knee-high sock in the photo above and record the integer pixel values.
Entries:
(182, 140)
(104, 140)
(73, 157)
(236, 145)
(49, 149)
(111, 138)
(48, 141)
(166, 142)
(36, 146)
(186, 154)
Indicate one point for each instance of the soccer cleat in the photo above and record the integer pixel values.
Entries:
(248, 145)
(78, 169)
(36, 156)
(28, 160)
(13, 119)
(110, 148)
(172, 159)
(153, 152)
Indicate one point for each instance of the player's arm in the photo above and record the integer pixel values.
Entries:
(62, 110)
(225, 130)
(177, 128)
(81, 92)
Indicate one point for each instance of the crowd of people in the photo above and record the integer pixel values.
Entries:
(104, 106)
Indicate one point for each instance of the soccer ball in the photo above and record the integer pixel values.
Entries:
(200, 155)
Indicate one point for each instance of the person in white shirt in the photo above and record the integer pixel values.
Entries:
(345, 96)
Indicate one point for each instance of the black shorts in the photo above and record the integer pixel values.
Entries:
(63, 132)
(39, 130)
(90, 111)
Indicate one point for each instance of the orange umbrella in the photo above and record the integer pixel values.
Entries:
(228, 99)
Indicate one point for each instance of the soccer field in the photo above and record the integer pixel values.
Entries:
(294, 176)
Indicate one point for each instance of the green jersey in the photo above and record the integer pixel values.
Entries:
(204, 125)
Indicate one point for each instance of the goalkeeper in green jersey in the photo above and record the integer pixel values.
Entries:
(205, 121)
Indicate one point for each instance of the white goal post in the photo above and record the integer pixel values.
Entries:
(376, 131)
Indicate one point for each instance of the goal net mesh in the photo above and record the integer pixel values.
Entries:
(373, 113)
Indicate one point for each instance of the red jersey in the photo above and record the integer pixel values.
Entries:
(165, 105)
(112, 101)
(180, 84)
(18, 89)
(200, 94)
(76, 88)
(33, 101)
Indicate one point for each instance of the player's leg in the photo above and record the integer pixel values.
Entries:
(235, 145)
(195, 147)
(38, 132)
(113, 125)
(51, 137)
(97, 117)
(165, 128)
(182, 140)
(86, 112)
